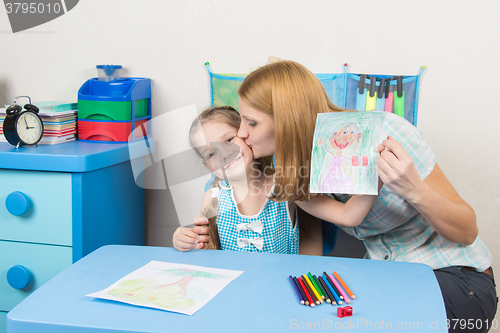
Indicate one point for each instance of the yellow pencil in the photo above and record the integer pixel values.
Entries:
(313, 290)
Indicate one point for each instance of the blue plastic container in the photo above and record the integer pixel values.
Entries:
(109, 99)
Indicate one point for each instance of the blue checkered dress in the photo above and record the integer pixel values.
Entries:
(395, 230)
(279, 234)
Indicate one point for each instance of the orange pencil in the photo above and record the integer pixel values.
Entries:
(344, 285)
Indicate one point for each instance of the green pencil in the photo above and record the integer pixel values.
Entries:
(313, 281)
(327, 297)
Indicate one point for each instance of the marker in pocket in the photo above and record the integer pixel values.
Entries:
(361, 93)
(371, 96)
(381, 92)
(399, 97)
(390, 96)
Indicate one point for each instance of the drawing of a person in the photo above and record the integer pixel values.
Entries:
(336, 180)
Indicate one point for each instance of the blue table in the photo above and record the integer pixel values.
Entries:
(389, 295)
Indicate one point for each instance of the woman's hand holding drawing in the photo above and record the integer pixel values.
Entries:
(395, 168)
(434, 197)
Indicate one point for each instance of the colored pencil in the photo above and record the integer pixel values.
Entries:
(344, 285)
(306, 295)
(346, 298)
(315, 284)
(330, 298)
(333, 286)
(315, 288)
(301, 291)
(301, 300)
(310, 288)
(334, 293)
(303, 288)
(311, 303)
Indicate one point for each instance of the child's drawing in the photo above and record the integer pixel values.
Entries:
(344, 157)
(168, 286)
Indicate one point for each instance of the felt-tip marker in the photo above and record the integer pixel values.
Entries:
(381, 96)
(399, 97)
(389, 98)
(361, 93)
(371, 96)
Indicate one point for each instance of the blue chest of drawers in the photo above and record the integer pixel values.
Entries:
(59, 203)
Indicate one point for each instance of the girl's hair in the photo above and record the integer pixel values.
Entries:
(294, 96)
(227, 115)
(212, 211)
(231, 117)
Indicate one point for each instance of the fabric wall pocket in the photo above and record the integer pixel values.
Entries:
(363, 92)
(334, 87)
(224, 88)
(391, 93)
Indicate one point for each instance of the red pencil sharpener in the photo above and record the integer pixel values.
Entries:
(344, 312)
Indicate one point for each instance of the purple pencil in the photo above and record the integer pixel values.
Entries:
(296, 290)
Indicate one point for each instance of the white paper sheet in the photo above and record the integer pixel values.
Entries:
(169, 286)
(343, 157)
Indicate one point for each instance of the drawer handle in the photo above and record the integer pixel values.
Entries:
(18, 277)
(17, 203)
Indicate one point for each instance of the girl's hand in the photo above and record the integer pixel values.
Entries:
(396, 170)
(202, 229)
(185, 239)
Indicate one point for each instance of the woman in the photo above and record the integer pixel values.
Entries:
(418, 217)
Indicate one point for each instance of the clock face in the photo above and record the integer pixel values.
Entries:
(29, 128)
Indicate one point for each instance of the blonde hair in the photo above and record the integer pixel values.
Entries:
(227, 115)
(294, 96)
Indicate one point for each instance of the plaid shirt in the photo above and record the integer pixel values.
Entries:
(395, 230)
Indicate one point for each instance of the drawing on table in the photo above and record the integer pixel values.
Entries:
(168, 286)
(343, 155)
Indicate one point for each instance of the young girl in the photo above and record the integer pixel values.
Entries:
(241, 215)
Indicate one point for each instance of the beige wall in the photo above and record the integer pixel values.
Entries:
(169, 41)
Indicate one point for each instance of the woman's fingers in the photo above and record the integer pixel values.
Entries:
(391, 159)
(396, 148)
(396, 169)
(380, 148)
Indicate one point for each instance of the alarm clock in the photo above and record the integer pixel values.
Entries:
(22, 127)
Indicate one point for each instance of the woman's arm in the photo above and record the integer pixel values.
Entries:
(350, 214)
(434, 197)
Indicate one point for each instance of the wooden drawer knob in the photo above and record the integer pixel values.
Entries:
(18, 277)
(17, 203)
